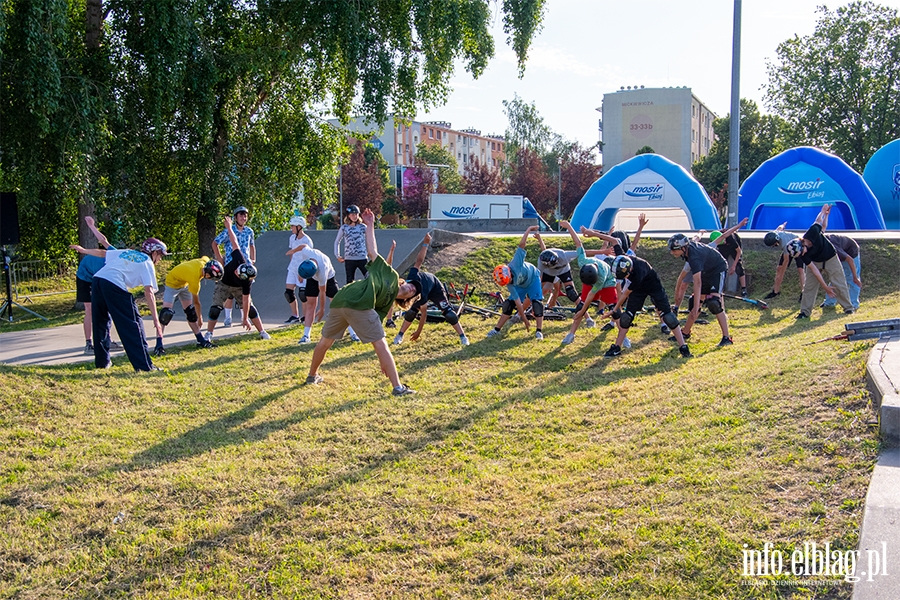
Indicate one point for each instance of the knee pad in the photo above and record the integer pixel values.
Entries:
(214, 311)
(165, 315)
(714, 305)
(252, 312)
(191, 313)
(579, 306)
(626, 319)
(671, 320)
(538, 308)
(301, 294)
(571, 294)
(508, 307)
(289, 296)
(410, 315)
(449, 315)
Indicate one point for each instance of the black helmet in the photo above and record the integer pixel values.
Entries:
(678, 242)
(770, 239)
(589, 274)
(549, 258)
(622, 267)
(214, 269)
(246, 271)
(353, 209)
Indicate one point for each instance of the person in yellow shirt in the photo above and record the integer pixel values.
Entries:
(183, 283)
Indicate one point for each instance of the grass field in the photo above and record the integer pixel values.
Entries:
(519, 470)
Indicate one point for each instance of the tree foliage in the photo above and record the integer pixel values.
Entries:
(645, 150)
(181, 109)
(361, 180)
(449, 179)
(762, 137)
(839, 88)
(418, 185)
(526, 129)
(482, 179)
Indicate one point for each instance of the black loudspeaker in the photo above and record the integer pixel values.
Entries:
(9, 219)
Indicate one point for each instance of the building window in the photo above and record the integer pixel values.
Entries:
(399, 148)
(693, 110)
(407, 147)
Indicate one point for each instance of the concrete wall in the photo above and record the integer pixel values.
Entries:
(473, 225)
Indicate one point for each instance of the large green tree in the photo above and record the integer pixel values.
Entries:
(449, 179)
(762, 137)
(205, 104)
(839, 88)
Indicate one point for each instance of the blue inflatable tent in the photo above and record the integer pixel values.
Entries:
(794, 185)
(882, 174)
(647, 181)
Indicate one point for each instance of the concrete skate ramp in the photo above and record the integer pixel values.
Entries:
(268, 289)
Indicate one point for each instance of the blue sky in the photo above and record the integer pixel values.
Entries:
(591, 47)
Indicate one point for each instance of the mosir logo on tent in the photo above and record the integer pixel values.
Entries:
(645, 191)
(895, 177)
(806, 188)
(461, 212)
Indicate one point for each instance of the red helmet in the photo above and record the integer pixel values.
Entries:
(214, 269)
(502, 275)
(151, 244)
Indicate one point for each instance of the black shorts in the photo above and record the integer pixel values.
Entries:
(564, 277)
(712, 283)
(635, 302)
(312, 288)
(82, 290)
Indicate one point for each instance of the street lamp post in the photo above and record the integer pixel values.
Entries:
(558, 192)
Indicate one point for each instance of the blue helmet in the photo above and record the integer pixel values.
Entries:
(307, 269)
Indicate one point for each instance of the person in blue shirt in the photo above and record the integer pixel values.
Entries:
(246, 242)
(523, 281)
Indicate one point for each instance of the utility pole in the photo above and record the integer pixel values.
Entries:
(734, 137)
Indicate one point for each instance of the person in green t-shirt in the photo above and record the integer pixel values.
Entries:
(363, 305)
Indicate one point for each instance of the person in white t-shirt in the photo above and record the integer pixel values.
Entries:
(295, 286)
(316, 268)
(113, 303)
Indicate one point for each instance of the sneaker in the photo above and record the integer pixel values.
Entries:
(464, 340)
(304, 340)
(685, 351)
(314, 379)
(114, 345)
(802, 315)
(743, 292)
(613, 351)
(403, 390)
(89, 348)
(686, 336)
(589, 323)
(390, 323)
(208, 336)
(849, 311)
(398, 339)
(608, 327)
(538, 336)
(205, 344)
(570, 337)
(626, 343)
(772, 294)
(665, 329)
(826, 304)
(354, 337)
(227, 322)
(726, 341)
(493, 332)
(264, 335)
(292, 319)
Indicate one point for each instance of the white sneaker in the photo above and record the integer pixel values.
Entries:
(570, 337)
(589, 323)
(626, 343)
(492, 333)
(208, 336)
(464, 340)
(354, 338)
(304, 340)
(265, 336)
(227, 322)
(538, 336)
(398, 339)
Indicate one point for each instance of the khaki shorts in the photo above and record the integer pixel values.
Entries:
(223, 293)
(365, 323)
(170, 295)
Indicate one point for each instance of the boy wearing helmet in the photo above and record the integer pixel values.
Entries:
(363, 305)
(523, 281)
(316, 270)
(816, 252)
(183, 283)
(294, 281)
(235, 286)
(553, 264)
(779, 239)
(708, 269)
(112, 301)
(245, 242)
(640, 280)
(430, 289)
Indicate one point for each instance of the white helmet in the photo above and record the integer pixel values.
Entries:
(297, 221)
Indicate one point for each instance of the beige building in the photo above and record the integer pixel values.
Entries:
(672, 121)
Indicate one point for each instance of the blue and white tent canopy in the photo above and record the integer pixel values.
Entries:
(882, 174)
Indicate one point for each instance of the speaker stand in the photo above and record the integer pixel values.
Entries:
(7, 305)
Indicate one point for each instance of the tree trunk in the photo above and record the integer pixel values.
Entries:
(92, 29)
(208, 211)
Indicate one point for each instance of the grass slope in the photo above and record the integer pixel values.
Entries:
(520, 469)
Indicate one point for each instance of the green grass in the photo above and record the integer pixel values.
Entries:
(520, 469)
